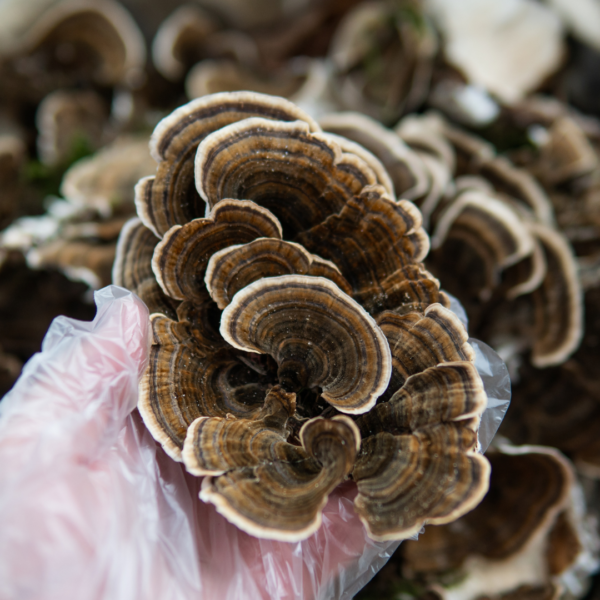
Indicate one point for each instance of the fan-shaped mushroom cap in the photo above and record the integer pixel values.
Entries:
(377, 244)
(105, 180)
(317, 334)
(309, 177)
(181, 257)
(448, 392)
(191, 36)
(96, 38)
(132, 268)
(215, 445)
(178, 41)
(66, 118)
(235, 267)
(433, 475)
(419, 341)
(490, 227)
(281, 499)
(193, 374)
(558, 301)
(541, 414)
(451, 391)
(507, 540)
(404, 167)
(404, 45)
(170, 198)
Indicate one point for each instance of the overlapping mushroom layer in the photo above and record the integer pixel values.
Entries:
(297, 338)
(528, 530)
(492, 231)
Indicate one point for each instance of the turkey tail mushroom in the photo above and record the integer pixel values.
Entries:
(283, 499)
(317, 334)
(277, 246)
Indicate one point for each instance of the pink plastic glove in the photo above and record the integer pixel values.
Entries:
(91, 507)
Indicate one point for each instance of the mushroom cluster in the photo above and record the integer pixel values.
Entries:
(354, 65)
(493, 232)
(78, 233)
(298, 339)
(69, 62)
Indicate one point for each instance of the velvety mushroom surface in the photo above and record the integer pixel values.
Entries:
(298, 340)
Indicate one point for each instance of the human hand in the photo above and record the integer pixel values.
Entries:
(91, 507)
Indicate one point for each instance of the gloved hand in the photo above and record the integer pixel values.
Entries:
(91, 507)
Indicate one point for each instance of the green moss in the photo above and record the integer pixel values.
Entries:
(47, 179)
(504, 136)
(409, 13)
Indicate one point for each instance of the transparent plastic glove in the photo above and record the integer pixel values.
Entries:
(496, 382)
(495, 377)
(91, 507)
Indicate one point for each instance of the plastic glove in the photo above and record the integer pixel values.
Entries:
(91, 507)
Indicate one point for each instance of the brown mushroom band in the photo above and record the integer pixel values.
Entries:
(108, 47)
(492, 223)
(283, 499)
(235, 267)
(529, 488)
(170, 198)
(180, 259)
(298, 339)
(317, 334)
(432, 475)
(132, 268)
(378, 245)
(302, 177)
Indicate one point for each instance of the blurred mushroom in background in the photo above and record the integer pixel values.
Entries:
(78, 234)
(70, 249)
(382, 55)
(529, 536)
